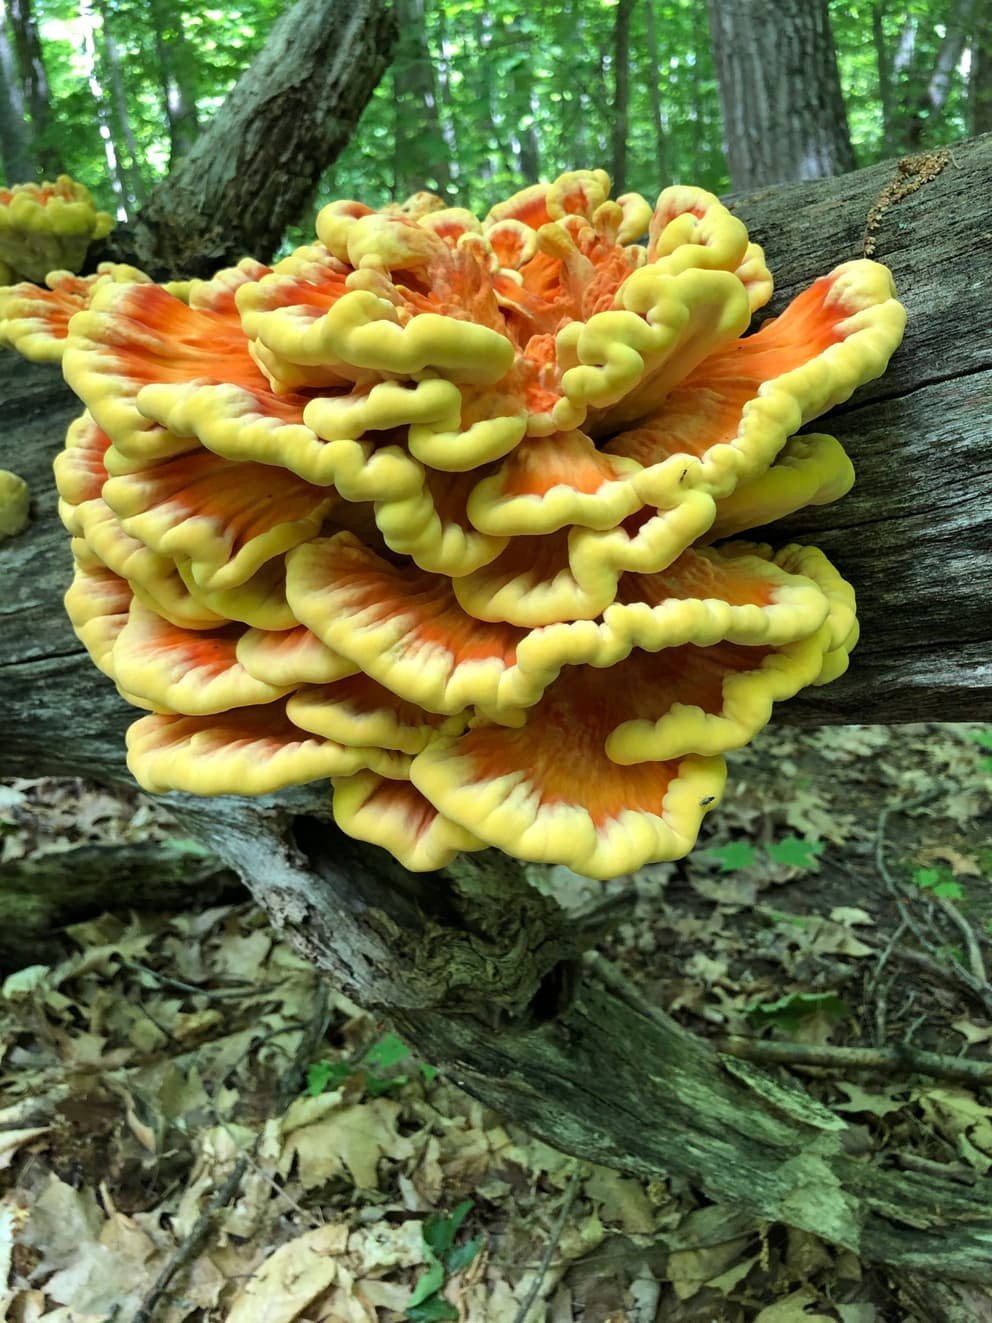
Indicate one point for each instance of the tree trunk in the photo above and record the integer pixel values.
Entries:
(783, 112)
(484, 117)
(883, 69)
(255, 167)
(34, 83)
(621, 93)
(177, 76)
(980, 79)
(420, 152)
(475, 967)
(131, 169)
(19, 163)
(929, 108)
(101, 110)
(522, 112)
(445, 101)
(654, 95)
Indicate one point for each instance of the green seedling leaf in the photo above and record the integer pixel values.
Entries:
(790, 1011)
(733, 856)
(428, 1284)
(434, 1310)
(951, 890)
(429, 1072)
(388, 1051)
(377, 1085)
(983, 738)
(789, 920)
(939, 882)
(462, 1255)
(439, 1232)
(324, 1075)
(795, 852)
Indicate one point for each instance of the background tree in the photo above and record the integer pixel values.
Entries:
(258, 164)
(503, 92)
(783, 112)
(980, 81)
(34, 82)
(16, 156)
(420, 153)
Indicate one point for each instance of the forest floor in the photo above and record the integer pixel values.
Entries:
(194, 1130)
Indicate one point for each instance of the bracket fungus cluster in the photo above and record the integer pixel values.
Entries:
(447, 510)
(46, 226)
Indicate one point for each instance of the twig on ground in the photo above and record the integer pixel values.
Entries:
(974, 979)
(289, 1085)
(950, 1171)
(549, 1249)
(892, 886)
(871, 984)
(975, 960)
(904, 1059)
(239, 988)
(294, 1078)
(193, 1244)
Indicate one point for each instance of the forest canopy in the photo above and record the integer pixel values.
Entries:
(480, 95)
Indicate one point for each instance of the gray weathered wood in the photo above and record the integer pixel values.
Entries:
(474, 970)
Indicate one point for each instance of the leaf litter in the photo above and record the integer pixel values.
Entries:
(160, 1055)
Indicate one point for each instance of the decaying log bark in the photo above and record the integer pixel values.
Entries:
(41, 893)
(472, 965)
(254, 168)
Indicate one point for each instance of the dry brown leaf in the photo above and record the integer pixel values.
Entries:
(973, 1033)
(961, 865)
(620, 1200)
(341, 1140)
(710, 1240)
(291, 1278)
(878, 1102)
(12, 1140)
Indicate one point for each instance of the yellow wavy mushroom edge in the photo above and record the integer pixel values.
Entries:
(452, 511)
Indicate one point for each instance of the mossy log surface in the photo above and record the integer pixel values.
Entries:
(41, 893)
(475, 969)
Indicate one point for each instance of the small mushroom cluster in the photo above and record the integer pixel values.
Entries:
(47, 226)
(447, 510)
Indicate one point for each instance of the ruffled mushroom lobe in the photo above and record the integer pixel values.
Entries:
(438, 507)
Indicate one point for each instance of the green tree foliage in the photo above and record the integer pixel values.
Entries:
(486, 94)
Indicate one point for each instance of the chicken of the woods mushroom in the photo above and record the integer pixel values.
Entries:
(448, 510)
(47, 226)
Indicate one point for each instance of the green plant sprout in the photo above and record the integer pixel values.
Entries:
(792, 851)
(378, 1063)
(444, 1259)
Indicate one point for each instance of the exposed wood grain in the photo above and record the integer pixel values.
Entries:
(915, 534)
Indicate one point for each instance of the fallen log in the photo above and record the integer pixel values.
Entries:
(474, 967)
(41, 893)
